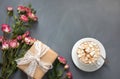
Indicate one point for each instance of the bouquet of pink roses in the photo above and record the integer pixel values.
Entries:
(16, 39)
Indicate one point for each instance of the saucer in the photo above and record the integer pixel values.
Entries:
(85, 67)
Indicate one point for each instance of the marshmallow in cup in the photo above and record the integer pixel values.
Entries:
(89, 52)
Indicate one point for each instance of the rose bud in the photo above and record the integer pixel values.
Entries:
(13, 43)
(35, 18)
(32, 16)
(66, 67)
(1, 38)
(5, 45)
(69, 75)
(26, 34)
(21, 9)
(5, 28)
(10, 11)
(62, 59)
(24, 18)
(19, 37)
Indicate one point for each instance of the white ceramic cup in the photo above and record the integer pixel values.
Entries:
(100, 57)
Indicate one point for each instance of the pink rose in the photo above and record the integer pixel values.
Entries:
(5, 45)
(69, 75)
(29, 40)
(66, 67)
(10, 9)
(62, 59)
(19, 37)
(32, 41)
(13, 43)
(27, 9)
(1, 38)
(24, 18)
(21, 8)
(26, 34)
(6, 28)
(32, 16)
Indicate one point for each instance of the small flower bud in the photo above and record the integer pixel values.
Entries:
(66, 67)
(69, 75)
(62, 60)
(10, 11)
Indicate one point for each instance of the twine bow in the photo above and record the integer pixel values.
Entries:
(35, 60)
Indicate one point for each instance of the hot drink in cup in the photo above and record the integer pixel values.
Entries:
(88, 52)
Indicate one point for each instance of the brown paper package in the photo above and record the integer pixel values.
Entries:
(49, 57)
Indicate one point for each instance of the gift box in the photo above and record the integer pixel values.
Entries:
(37, 60)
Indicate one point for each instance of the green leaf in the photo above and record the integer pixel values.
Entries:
(23, 28)
(50, 76)
(19, 30)
(18, 23)
(10, 13)
(27, 25)
(13, 26)
(1, 78)
(1, 64)
(34, 11)
(29, 5)
(15, 17)
(60, 73)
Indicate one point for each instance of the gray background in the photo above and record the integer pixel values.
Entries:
(63, 22)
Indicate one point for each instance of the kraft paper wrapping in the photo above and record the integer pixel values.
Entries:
(49, 57)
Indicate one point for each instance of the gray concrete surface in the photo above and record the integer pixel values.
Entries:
(63, 22)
